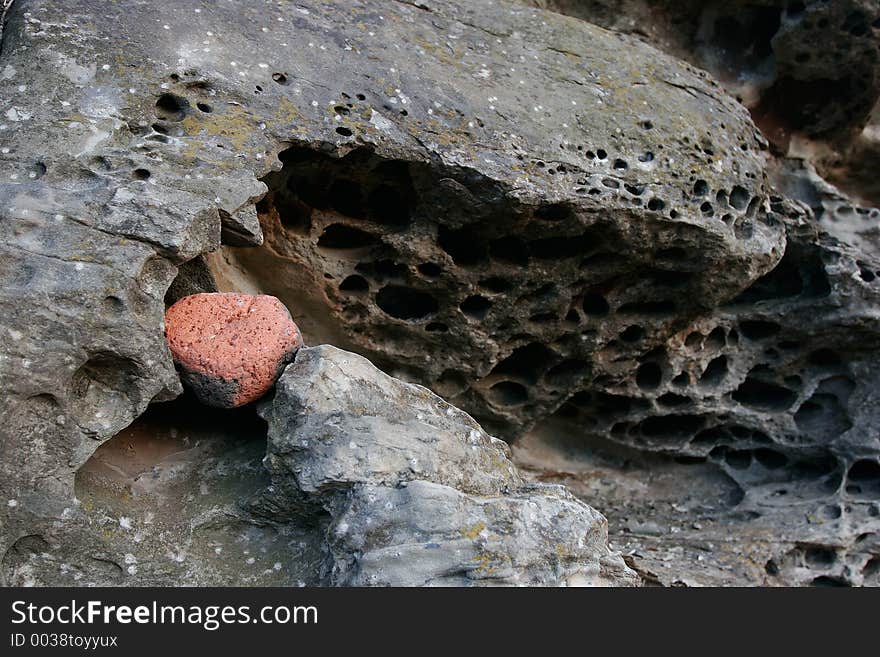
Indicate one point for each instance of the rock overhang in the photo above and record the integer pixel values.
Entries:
(130, 136)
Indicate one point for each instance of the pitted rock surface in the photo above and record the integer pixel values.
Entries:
(808, 67)
(550, 225)
(231, 348)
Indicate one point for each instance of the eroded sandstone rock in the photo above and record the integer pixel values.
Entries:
(489, 199)
(809, 68)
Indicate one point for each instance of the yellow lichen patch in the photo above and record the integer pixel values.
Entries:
(485, 563)
(234, 124)
(563, 552)
(287, 111)
(474, 531)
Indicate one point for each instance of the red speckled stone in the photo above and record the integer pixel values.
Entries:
(230, 348)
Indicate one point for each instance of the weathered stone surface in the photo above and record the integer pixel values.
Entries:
(462, 160)
(810, 68)
(499, 288)
(425, 534)
(230, 348)
(337, 420)
(126, 145)
(417, 492)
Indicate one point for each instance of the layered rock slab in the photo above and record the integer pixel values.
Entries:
(417, 492)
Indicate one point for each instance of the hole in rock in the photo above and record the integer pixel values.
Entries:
(671, 426)
(827, 580)
(511, 250)
(824, 415)
(648, 376)
(171, 107)
(672, 399)
(738, 459)
(817, 556)
(463, 245)
(340, 236)
(715, 372)
(508, 393)
(770, 458)
(716, 339)
(527, 362)
(354, 283)
(403, 302)
(389, 206)
(739, 197)
(475, 306)
(632, 333)
(865, 474)
(650, 308)
(566, 372)
(595, 305)
(496, 284)
(430, 269)
(359, 185)
(763, 395)
(758, 329)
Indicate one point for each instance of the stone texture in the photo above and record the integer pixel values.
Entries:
(462, 160)
(418, 494)
(809, 68)
(230, 348)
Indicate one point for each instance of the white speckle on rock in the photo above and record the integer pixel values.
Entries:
(17, 114)
(12, 504)
(125, 522)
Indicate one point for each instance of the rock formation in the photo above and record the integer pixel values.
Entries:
(585, 243)
(418, 494)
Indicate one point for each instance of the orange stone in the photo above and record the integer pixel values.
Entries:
(230, 348)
